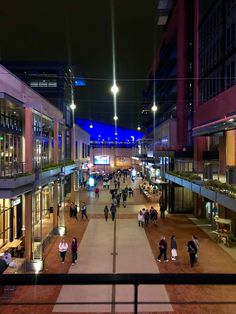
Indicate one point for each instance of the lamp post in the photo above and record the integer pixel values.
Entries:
(154, 109)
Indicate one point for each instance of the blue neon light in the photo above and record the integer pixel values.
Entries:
(106, 132)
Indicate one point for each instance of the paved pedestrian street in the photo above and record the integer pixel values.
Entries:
(136, 249)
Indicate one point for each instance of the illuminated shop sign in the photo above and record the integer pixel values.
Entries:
(17, 201)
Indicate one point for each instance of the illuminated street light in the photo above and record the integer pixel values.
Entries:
(115, 118)
(91, 126)
(72, 106)
(138, 128)
(154, 107)
(114, 89)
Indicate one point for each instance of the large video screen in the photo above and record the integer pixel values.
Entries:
(101, 160)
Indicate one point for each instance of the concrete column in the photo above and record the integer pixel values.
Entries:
(55, 204)
(199, 147)
(181, 74)
(222, 154)
(55, 148)
(28, 140)
(72, 192)
(28, 226)
(231, 148)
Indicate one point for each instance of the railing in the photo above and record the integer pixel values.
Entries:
(11, 169)
(119, 279)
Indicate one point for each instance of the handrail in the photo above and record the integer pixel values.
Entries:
(118, 279)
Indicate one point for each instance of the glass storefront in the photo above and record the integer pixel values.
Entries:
(42, 140)
(4, 221)
(10, 219)
(42, 219)
(10, 154)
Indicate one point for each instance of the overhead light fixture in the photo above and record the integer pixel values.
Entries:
(114, 89)
(231, 120)
(154, 107)
(72, 106)
(115, 118)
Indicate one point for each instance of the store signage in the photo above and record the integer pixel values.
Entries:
(15, 202)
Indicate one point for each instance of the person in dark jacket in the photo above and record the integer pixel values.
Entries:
(106, 211)
(74, 249)
(162, 249)
(113, 212)
(146, 217)
(162, 210)
(192, 250)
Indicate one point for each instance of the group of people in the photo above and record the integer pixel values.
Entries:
(192, 248)
(64, 247)
(74, 210)
(145, 215)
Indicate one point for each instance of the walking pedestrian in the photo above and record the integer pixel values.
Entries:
(74, 249)
(113, 212)
(124, 196)
(197, 244)
(192, 251)
(162, 210)
(162, 249)
(146, 217)
(71, 209)
(106, 211)
(173, 247)
(97, 192)
(140, 218)
(83, 210)
(63, 247)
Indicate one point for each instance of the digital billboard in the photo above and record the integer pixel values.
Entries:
(101, 160)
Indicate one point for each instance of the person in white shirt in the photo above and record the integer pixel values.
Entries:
(63, 247)
(140, 218)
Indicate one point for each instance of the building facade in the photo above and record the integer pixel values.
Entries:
(35, 175)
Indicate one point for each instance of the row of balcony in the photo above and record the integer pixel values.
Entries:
(22, 182)
(221, 193)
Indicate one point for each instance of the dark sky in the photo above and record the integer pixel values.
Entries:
(79, 32)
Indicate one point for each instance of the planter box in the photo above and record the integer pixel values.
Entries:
(178, 181)
(50, 173)
(14, 183)
(211, 195)
(187, 184)
(69, 169)
(196, 188)
(226, 201)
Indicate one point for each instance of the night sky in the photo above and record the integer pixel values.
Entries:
(79, 32)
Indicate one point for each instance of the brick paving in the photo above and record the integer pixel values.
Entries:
(212, 259)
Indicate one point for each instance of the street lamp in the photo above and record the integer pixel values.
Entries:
(73, 107)
(154, 107)
(114, 89)
(115, 118)
(138, 128)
